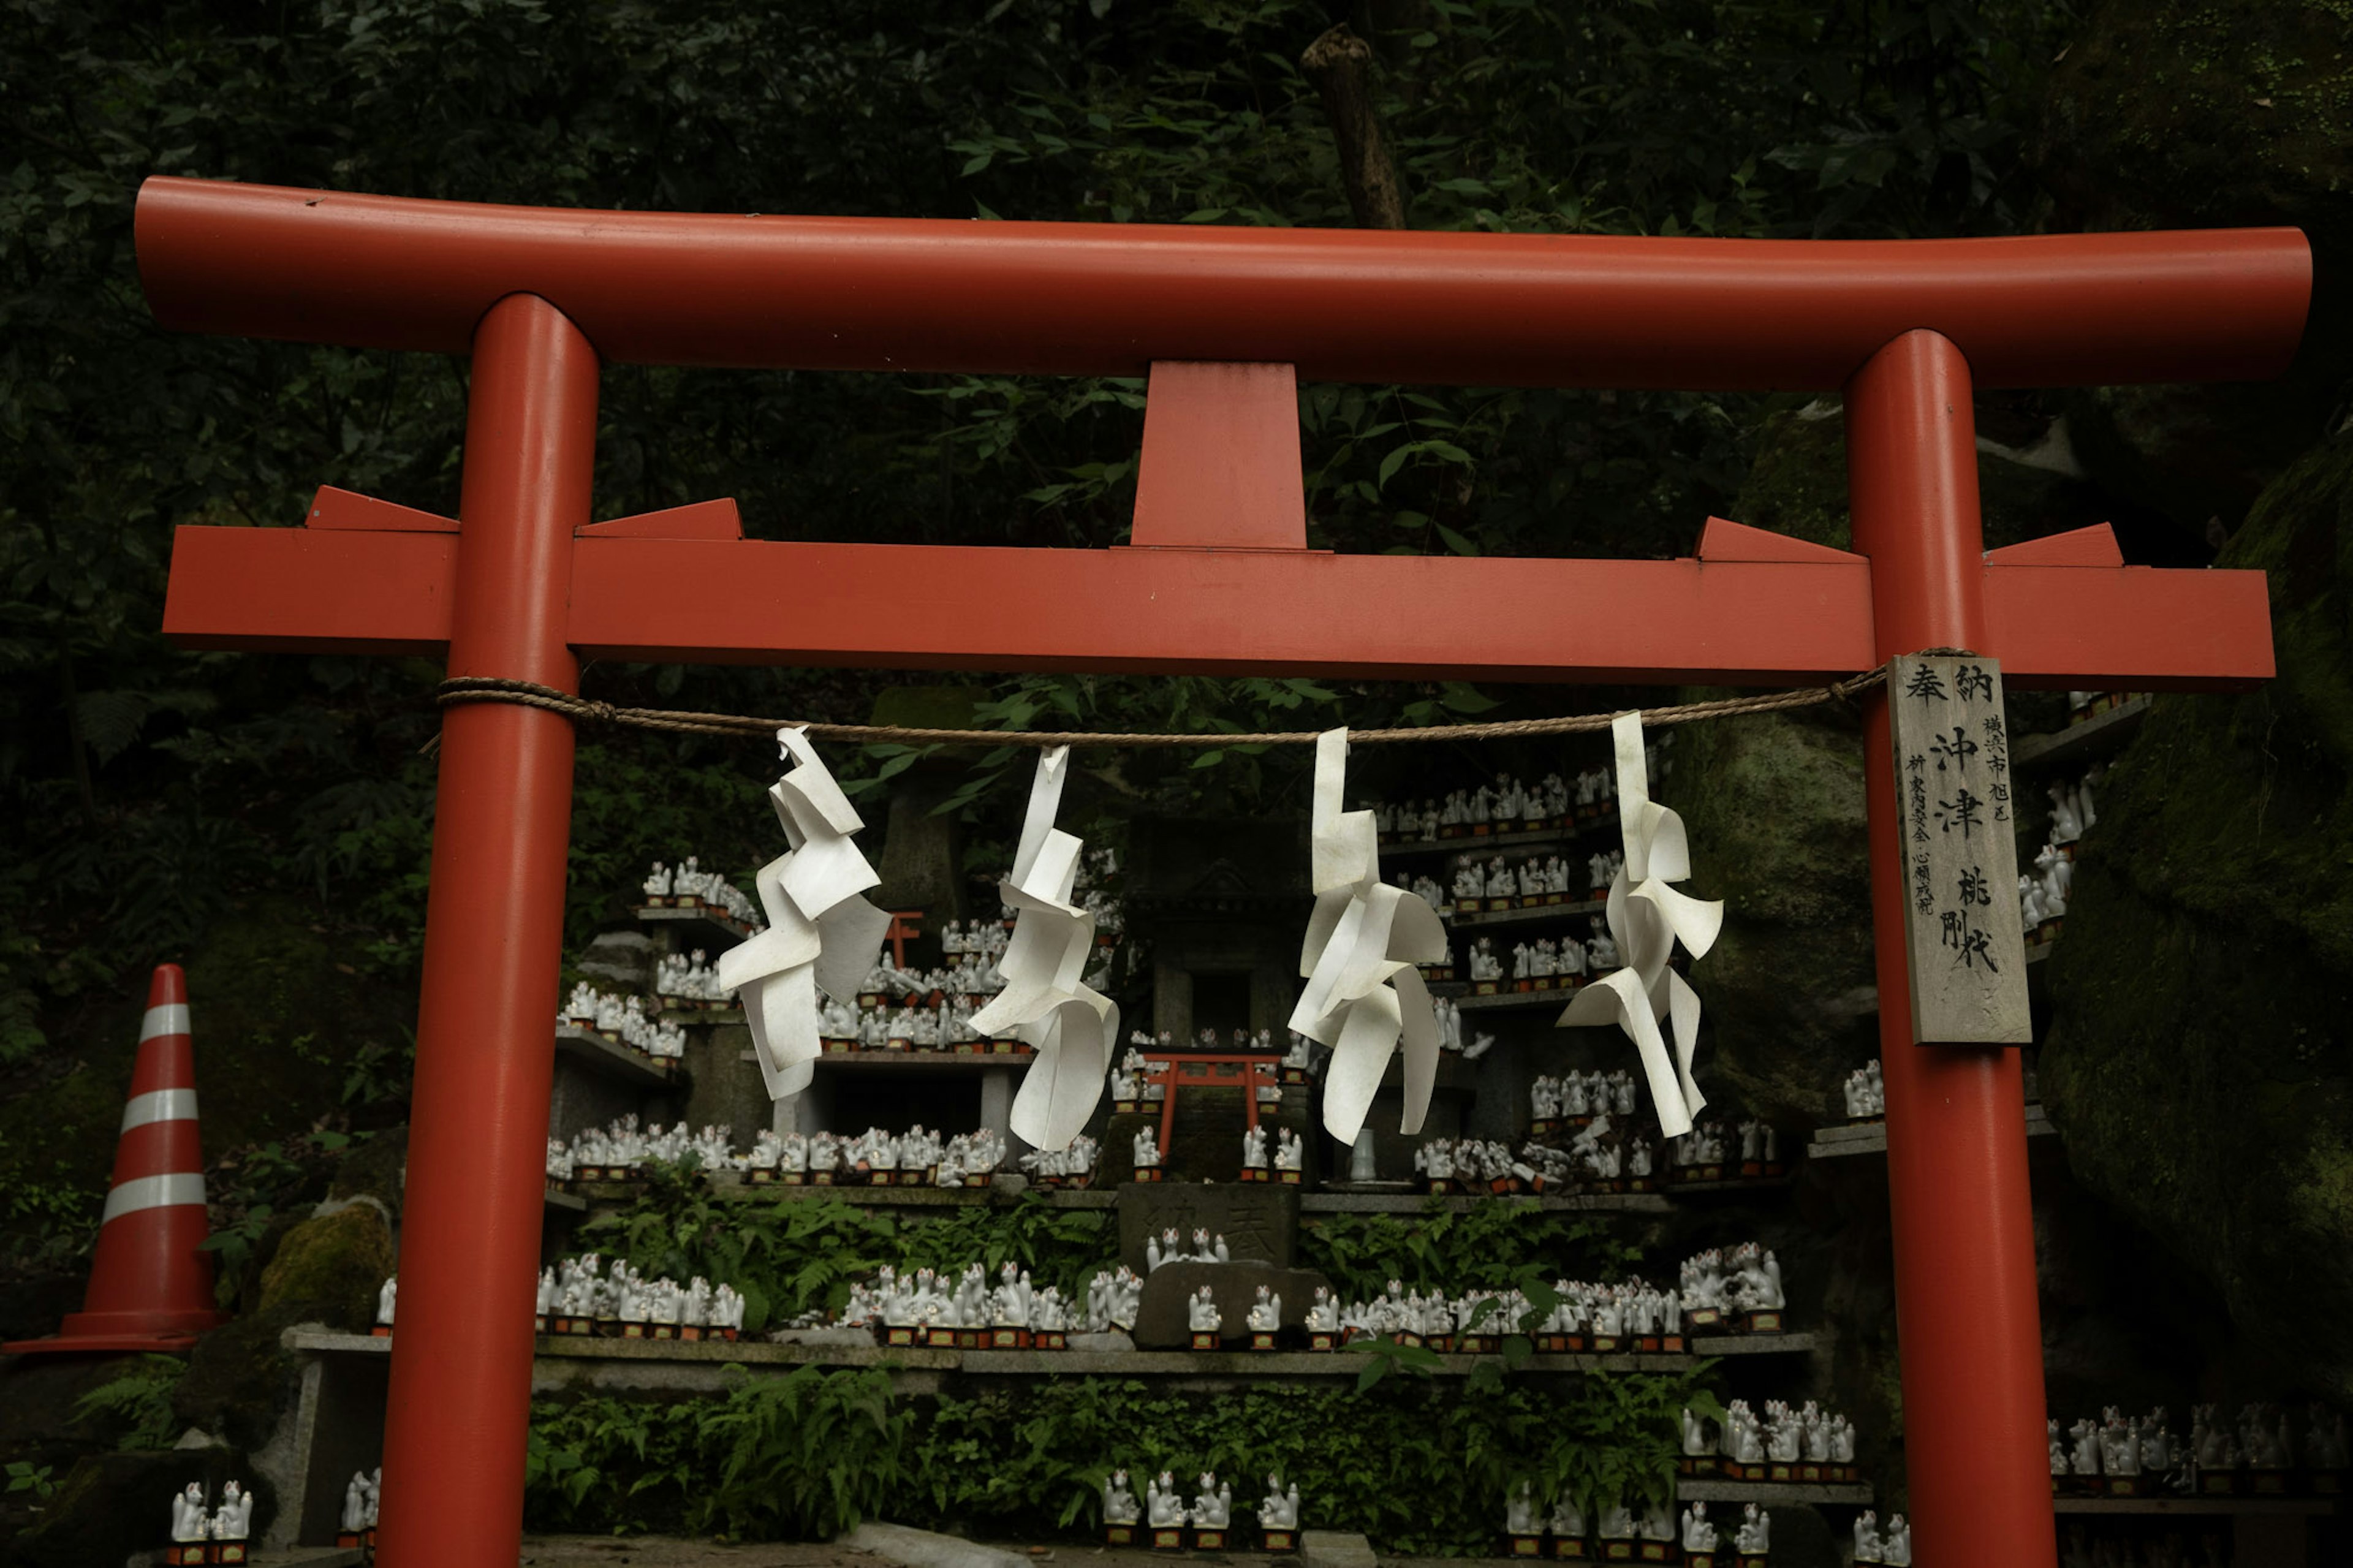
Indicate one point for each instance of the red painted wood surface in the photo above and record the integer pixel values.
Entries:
(1732, 622)
(1219, 466)
(459, 1402)
(1901, 327)
(1968, 1322)
(1248, 1071)
(1487, 309)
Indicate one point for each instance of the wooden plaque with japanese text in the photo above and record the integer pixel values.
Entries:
(1956, 817)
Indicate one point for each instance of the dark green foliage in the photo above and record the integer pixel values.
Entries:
(790, 1255)
(159, 789)
(136, 1406)
(1492, 1244)
(1420, 1467)
(1059, 1247)
(803, 1456)
(785, 1257)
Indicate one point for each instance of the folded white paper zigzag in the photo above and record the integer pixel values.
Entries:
(1364, 995)
(821, 934)
(1646, 919)
(1045, 1002)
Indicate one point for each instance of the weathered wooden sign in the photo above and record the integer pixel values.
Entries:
(1957, 819)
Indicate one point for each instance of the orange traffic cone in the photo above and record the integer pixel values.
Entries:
(150, 1284)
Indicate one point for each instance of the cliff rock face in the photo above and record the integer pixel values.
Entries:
(2197, 1064)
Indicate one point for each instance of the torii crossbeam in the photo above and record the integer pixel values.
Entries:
(1217, 579)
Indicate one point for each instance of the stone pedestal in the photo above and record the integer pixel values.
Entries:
(1162, 1320)
(1259, 1224)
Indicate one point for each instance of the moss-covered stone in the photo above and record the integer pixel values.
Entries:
(1775, 806)
(376, 1168)
(241, 1380)
(326, 1269)
(2196, 1063)
(333, 1265)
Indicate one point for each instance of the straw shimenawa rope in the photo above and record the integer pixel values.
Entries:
(466, 688)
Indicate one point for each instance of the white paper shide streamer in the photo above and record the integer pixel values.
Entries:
(1045, 1002)
(1364, 996)
(1647, 918)
(821, 934)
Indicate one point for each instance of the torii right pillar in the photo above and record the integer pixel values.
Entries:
(1967, 1319)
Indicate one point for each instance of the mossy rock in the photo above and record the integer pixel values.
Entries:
(241, 1381)
(326, 1270)
(1774, 804)
(333, 1265)
(2197, 1064)
(113, 1507)
(376, 1168)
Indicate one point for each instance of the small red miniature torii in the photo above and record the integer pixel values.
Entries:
(522, 585)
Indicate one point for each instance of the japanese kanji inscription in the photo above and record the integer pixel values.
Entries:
(1958, 822)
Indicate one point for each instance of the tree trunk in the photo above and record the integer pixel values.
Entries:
(1340, 65)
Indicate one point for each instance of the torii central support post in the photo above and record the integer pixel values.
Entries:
(1967, 1317)
(462, 1352)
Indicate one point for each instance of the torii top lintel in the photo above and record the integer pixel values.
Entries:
(1220, 579)
(909, 294)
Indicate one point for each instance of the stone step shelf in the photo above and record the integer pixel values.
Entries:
(709, 928)
(912, 1061)
(607, 1362)
(1510, 999)
(2080, 745)
(614, 1060)
(1529, 916)
(1474, 844)
(730, 1186)
(1701, 1489)
(2197, 1505)
(1416, 1202)
(1870, 1137)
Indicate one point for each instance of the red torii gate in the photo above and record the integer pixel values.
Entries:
(521, 585)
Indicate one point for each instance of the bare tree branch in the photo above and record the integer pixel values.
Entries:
(1340, 65)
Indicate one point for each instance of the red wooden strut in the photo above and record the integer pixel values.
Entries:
(1248, 1071)
(1217, 583)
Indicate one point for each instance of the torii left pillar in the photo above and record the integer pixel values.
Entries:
(477, 1181)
